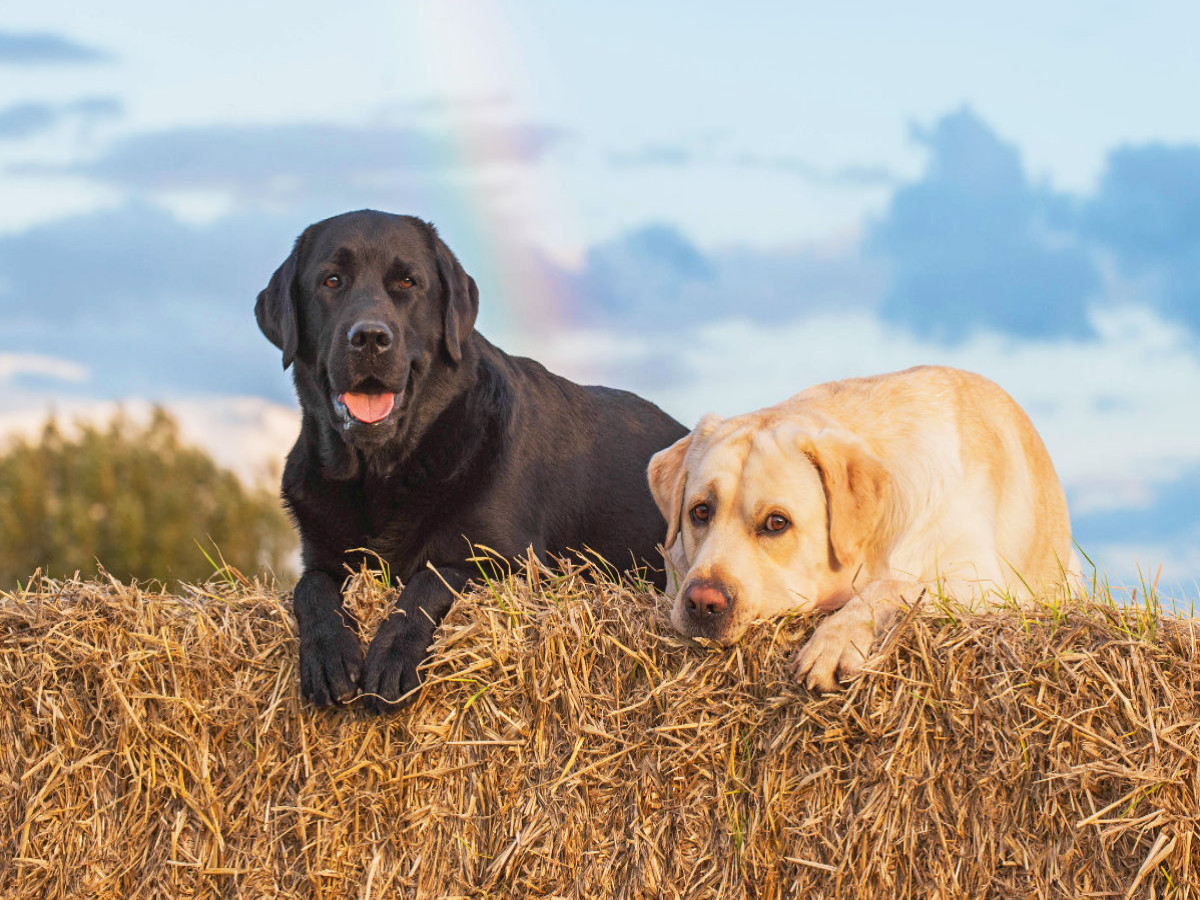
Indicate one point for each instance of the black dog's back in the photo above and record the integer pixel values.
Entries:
(576, 465)
(630, 431)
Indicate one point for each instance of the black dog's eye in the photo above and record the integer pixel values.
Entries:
(332, 281)
(700, 513)
(775, 524)
(406, 283)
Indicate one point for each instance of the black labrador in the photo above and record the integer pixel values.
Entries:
(419, 438)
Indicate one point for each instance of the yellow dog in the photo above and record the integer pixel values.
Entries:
(855, 496)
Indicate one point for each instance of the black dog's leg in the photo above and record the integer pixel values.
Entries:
(330, 653)
(398, 648)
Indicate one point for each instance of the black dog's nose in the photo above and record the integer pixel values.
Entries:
(705, 601)
(370, 336)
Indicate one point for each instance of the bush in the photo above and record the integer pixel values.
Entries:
(137, 500)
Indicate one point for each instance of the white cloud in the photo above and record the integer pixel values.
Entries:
(1120, 410)
(13, 365)
(588, 356)
(247, 435)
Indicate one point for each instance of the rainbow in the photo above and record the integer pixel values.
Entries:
(475, 44)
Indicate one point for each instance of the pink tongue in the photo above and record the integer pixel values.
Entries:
(368, 407)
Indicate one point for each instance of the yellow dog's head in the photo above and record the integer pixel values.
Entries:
(764, 517)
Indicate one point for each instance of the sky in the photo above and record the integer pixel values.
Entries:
(712, 206)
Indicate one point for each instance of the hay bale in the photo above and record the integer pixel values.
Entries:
(567, 745)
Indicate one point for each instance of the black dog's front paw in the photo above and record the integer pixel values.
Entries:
(331, 664)
(390, 673)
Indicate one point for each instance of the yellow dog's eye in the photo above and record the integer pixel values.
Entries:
(332, 281)
(700, 513)
(776, 523)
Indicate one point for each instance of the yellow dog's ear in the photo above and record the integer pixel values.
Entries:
(856, 490)
(668, 474)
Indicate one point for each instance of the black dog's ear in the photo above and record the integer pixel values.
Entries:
(462, 299)
(276, 307)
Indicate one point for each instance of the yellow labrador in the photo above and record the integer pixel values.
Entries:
(855, 496)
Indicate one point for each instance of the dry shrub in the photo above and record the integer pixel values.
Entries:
(567, 745)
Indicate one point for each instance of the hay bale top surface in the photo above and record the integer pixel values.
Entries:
(566, 744)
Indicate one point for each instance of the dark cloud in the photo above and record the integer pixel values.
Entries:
(973, 245)
(841, 176)
(95, 108)
(293, 160)
(674, 156)
(655, 278)
(150, 304)
(31, 49)
(24, 120)
(970, 245)
(654, 155)
(643, 273)
(1146, 212)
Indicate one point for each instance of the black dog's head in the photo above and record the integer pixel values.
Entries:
(367, 306)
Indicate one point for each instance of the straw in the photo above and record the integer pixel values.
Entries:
(567, 744)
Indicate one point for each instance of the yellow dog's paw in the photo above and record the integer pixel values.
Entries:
(835, 648)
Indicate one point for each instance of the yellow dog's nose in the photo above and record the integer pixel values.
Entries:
(705, 601)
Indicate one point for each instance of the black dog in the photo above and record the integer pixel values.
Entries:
(419, 438)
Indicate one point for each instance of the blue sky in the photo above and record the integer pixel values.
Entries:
(712, 206)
